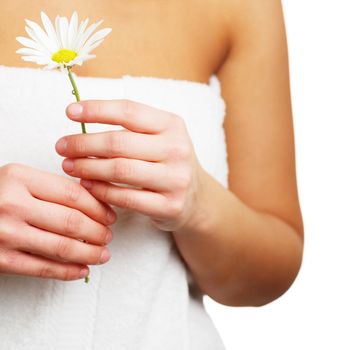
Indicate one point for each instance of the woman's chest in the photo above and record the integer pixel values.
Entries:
(183, 39)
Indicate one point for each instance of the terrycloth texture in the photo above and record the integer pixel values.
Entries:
(144, 297)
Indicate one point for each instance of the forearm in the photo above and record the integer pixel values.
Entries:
(238, 256)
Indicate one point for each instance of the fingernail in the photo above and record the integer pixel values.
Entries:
(111, 216)
(105, 256)
(61, 145)
(75, 109)
(84, 272)
(68, 165)
(109, 236)
(86, 183)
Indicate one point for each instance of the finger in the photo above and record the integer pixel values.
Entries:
(22, 263)
(58, 189)
(132, 115)
(143, 201)
(154, 176)
(35, 240)
(67, 221)
(110, 144)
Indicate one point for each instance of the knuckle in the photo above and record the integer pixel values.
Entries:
(45, 271)
(179, 151)
(102, 213)
(121, 170)
(127, 200)
(127, 107)
(62, 248)
(10, 204)
(67, 274)
(85, 172)
(177, 120)
(104, 233)
(13, 170)
(115, 143)
(72, 222)
(79, 145)
(7, 203)
(7, 230)
(182, 180)
(94, 255)
(105, 193)
(8, 260)
(91, 108)
(72, 192)
(100, 234)
(176, 208)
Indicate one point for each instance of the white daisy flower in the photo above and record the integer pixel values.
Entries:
(62, 45)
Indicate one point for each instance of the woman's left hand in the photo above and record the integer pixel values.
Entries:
(154, 153)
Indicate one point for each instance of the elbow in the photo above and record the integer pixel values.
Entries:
(263, 287)
(285, 277)
(258, 297)
(276, 293)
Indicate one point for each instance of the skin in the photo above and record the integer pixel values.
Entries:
(244, 244)
(43, 218)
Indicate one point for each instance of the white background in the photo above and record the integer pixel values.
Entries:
(315, 312)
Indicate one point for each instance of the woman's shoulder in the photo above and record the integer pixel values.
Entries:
(228, 24)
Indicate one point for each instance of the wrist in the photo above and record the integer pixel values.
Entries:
(198, 220)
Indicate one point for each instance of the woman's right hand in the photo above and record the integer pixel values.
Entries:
(43, 219)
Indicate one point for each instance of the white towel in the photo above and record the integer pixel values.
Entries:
(143, 297)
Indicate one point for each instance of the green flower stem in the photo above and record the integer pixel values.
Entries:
(76, 93)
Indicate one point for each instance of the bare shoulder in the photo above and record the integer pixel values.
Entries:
(259, 122)
(242, 14)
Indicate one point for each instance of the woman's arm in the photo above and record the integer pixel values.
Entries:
(244, 245)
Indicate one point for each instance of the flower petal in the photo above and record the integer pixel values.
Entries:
(33, 35)
(29, 43)
(41, 36)
(36, 59)
(50, 66)
(80, 59)
(57, 29)
(86, 35)
(61, 24)
(72, 30)
(50, 30)
(77, 60)
(63, 31)
(88, 48)
(30, 52)
(81, 30)
(98, 36)
(88, 57)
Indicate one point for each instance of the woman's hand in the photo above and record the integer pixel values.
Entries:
(43, 218)
(154, 153)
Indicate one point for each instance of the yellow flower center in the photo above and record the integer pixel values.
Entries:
(64, 55)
